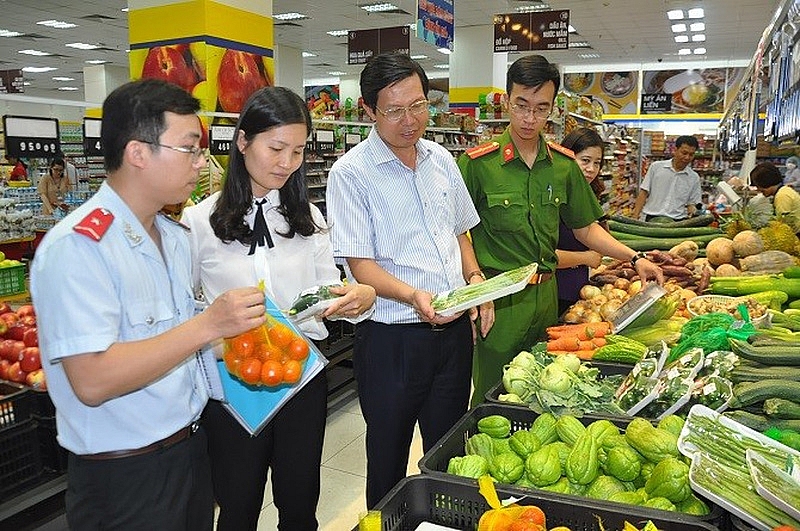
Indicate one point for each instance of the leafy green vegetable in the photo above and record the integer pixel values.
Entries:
(465, 294)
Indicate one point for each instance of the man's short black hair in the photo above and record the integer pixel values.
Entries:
(532, 71)
(386, 69)
(686, 140)
(765, 175)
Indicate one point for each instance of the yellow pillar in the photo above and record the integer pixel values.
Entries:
(220, 51)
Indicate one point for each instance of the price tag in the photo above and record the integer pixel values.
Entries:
(92, 145)
(221, 139)
(28, 137)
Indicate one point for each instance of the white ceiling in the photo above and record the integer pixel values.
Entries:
(619, 31)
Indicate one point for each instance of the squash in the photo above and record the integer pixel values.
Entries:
(767, 262)
(720, 251)
(727, 270)
(686, 250)
(747, 243)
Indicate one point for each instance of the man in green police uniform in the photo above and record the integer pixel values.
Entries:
(521, 186)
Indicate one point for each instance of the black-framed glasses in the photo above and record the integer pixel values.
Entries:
(395, 114)
(523, 111)
(195, 151)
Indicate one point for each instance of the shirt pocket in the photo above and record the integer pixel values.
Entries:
(148, 317)
(507, 212)
(552, 199)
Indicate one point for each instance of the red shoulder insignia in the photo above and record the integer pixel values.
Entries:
(95, 224)
(483, 149)
(508, 152)
(561, 149)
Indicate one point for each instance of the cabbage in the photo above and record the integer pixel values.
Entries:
(569, 361)
(517, 380)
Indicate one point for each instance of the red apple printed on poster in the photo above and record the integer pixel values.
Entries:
(238, 77)
(168, 63)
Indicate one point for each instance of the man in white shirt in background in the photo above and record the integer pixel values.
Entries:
(671, 188)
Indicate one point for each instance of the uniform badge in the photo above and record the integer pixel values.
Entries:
(561, 149)
(95, 224)
(508, 152)
(483, 149)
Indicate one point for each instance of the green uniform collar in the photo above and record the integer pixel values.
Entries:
(509, 150)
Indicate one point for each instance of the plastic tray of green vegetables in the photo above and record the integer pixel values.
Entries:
(457, 300)
(775, 485)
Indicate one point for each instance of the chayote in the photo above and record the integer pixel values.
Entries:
(501, 446)
(659, 503)
(623, 463)
(524, 443)
(653, 443)
(470, 466)
(496, 426)
(604, 486)
(543, 466)
(582, 464)
(670, 480)
(672, 424)
(561, 486)
(507, 467)
(480, 444)
(633, 498)
(544, 427)
(693, 505)
(602, 429)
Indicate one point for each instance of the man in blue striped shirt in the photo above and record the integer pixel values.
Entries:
(399, 213)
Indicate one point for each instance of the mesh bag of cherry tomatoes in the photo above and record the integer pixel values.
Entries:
(270, 355)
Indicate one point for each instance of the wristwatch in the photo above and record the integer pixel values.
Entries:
(636, 257)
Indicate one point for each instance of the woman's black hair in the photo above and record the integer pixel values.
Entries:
(765, 175)
(582, 138)
(267, 108)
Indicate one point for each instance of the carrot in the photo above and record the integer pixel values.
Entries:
(599, 342)
(586, 345)
(583, 331)
(582, 354)
(563, 343)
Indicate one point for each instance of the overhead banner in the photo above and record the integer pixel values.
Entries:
(11, 82)
(362, 45)
(26, 136)
(522, 32)
(686, 91)
(617, 92)
(435, 22)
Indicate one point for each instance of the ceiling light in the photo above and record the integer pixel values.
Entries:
(309, 54)
(289, 16)
(681, 38)
(83, 46)
(572, 29)
(56, 24)
(678, 28)
(379, 8)
(684, 51)
(446, 51)
(699, 37)
(26, 83)
(541, 6)
(96, 61)
(338, 33)
(63, 78)
(337, 73)
(443, 66)
(124, 9)
(419, 57)
(588, 55)
(699, 51)
(68, 88)
(696, 13)
(675, 14)
(38, 69)
(697, 26)
(37, 53)
(8, 33)
(579, 44)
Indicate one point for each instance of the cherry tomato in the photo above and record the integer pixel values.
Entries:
(297, 349)
(280, 335)
(250, 370)
(265, 351)
(232, 362)
(533, 514)
(292, 371)
(271, 373)
(524, 525)
(244, 345)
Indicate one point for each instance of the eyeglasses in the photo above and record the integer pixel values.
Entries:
(194, 151)
(523, 111)
(395, 114)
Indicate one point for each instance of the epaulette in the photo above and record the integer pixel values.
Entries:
(174, 221)
(95, 224)
(561, 149)
(483, 149)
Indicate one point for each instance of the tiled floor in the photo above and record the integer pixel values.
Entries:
(344, 465)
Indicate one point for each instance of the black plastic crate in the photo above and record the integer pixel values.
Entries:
(20, 458)
(43, 404)
(54, 457)
(16, 405)
(435, 461)
(457, 503)
(606, 369)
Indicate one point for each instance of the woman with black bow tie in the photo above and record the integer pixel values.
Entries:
(262, 226)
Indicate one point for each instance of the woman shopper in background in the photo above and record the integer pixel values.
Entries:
(53, 188)
(262, 226)
(574, 258)
(768, 180)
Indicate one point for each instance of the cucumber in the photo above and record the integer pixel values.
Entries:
(795, 304)
(792, 272)
(767, 355)
(756, 372)
(666, 244)
(747, 393)
(624, 236)
(760, 422)
(780, 408)
(697, 221)
(666, 231)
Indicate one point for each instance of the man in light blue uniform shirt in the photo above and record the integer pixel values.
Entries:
(112, 288)
(399, 212)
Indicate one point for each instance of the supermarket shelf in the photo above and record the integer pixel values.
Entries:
(584, 118)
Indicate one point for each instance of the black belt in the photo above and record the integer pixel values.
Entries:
(180, 435)
(537, 278)
(435, 327)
